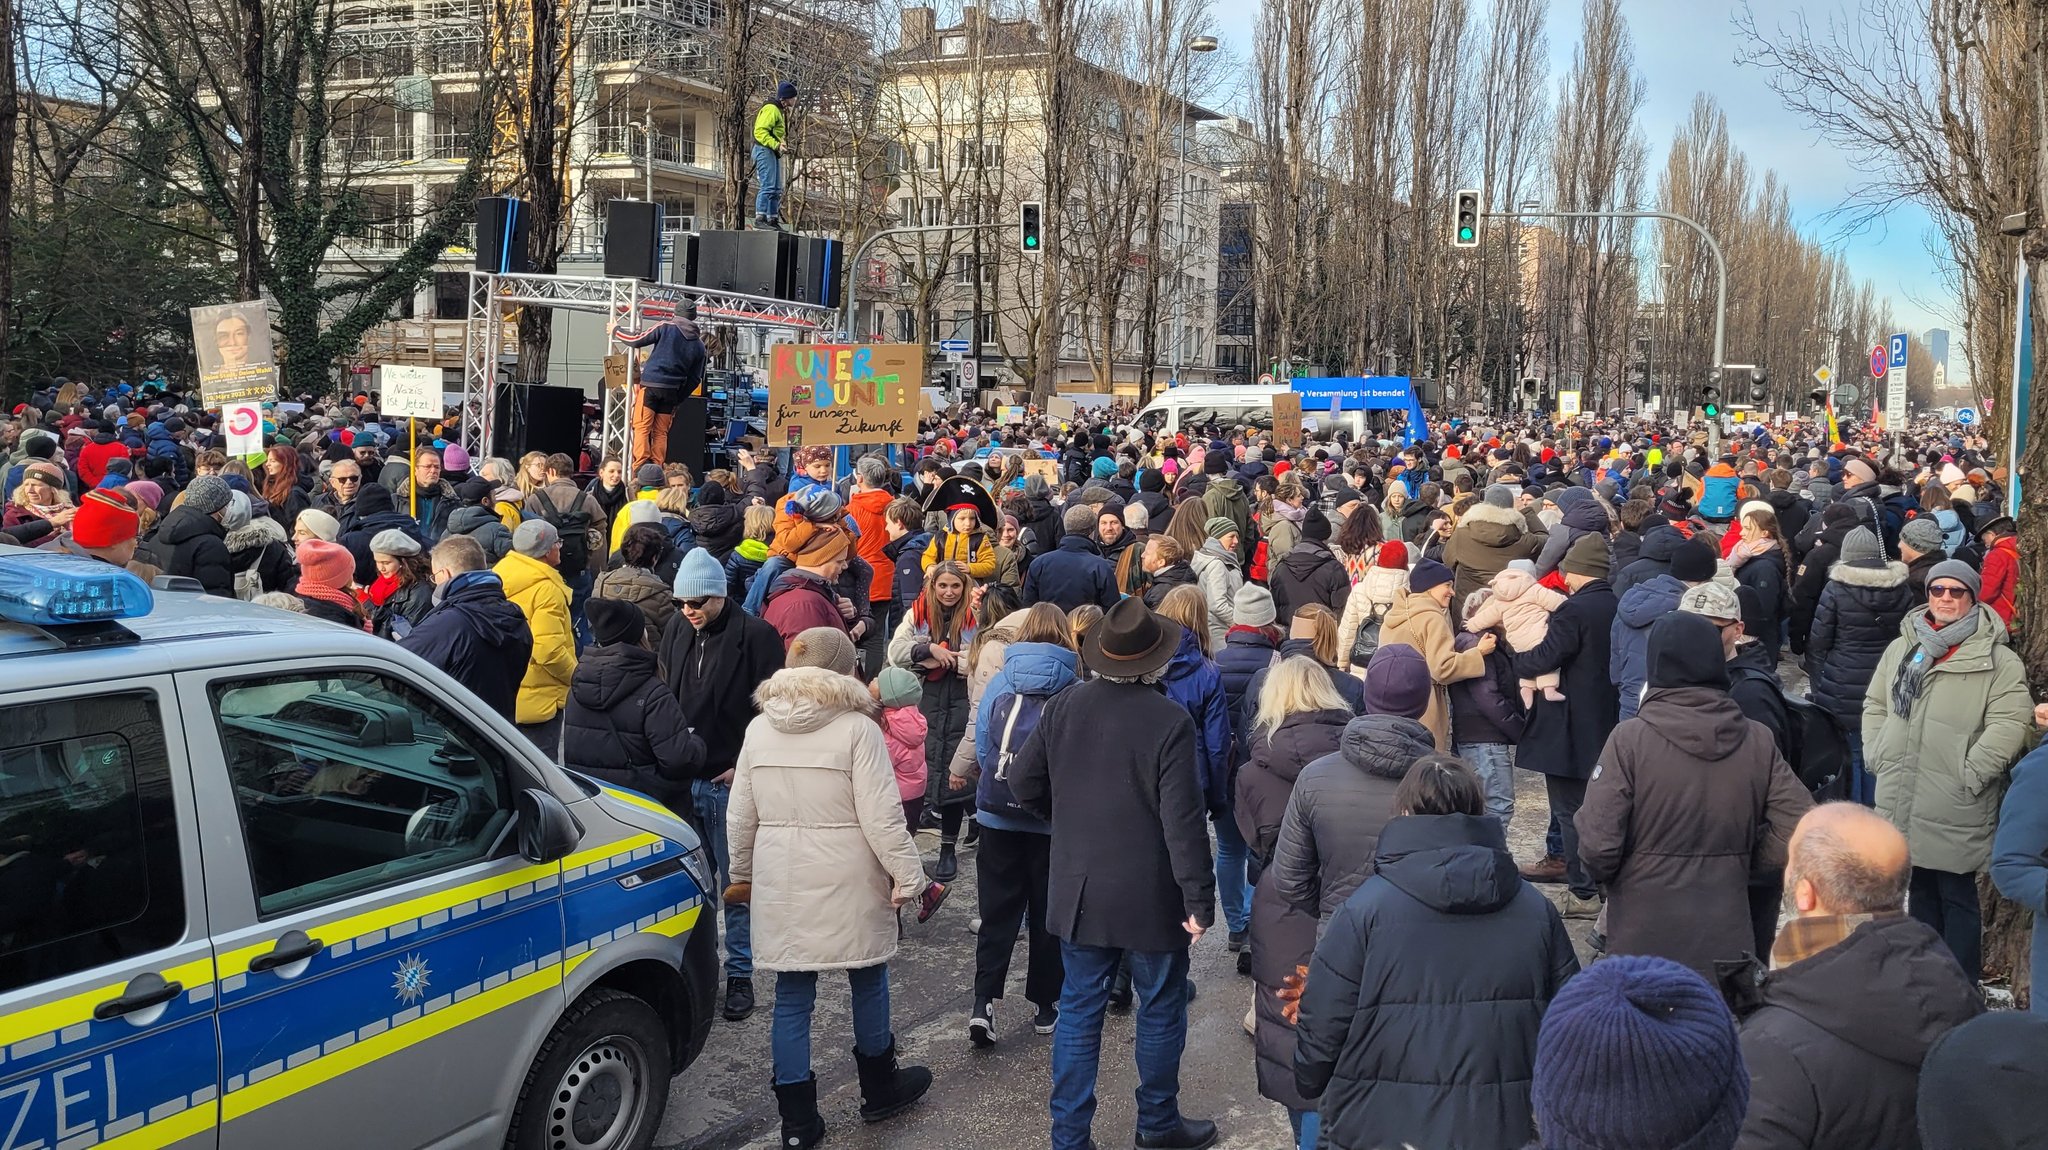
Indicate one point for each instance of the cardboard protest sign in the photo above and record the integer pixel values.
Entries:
(833, 393)
(1045, 467)
(1060, 407)
(1287, 419)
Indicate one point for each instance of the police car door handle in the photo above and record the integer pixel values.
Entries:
(142, 992)
(293, 947)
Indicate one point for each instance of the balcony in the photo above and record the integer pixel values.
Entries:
(631, 142)
(452, 146)
(375, 151)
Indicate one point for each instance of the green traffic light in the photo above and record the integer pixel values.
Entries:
(1464, 234)
(1030, 241)
(1712, 410)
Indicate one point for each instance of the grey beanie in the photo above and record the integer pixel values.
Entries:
(1860, 548)
(1500, 495)
(535, 538)
(1922, 535)
(1959, 571)
(1078, 519)
(826, 647)
(208, 494)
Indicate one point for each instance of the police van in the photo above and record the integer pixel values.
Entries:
(268, 882)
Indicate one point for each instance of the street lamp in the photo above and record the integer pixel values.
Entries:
(1202, 44)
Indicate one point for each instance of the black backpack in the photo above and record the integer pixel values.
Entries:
(573, 526)
(1815, 744)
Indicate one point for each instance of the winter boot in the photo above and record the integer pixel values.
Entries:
(886, 1089)
(948, 867)
(802, 1126)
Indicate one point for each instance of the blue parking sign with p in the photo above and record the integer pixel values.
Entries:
(1898, 351)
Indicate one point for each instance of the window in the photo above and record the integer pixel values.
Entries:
(934, 212)
(985, 327)
(89, 861)
(906, 325)
(953, 44)
(351, 780)
(961, 326)
(931, 155)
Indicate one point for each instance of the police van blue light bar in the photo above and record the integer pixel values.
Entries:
(53, 590)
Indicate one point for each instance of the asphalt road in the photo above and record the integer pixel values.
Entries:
(997, 1098)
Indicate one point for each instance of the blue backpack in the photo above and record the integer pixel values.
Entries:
(1013, 716)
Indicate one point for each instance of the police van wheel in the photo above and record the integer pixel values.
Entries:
(600, 1081)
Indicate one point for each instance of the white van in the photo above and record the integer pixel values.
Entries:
(1228, 405)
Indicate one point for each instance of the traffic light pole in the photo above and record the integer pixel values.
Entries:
(1713, 246)
(860, 253)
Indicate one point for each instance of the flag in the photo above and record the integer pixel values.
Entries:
(1834, 429)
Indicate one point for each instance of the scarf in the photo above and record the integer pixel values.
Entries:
(382, 589)
(342, 599)
(1293, 515)
(1936, 642)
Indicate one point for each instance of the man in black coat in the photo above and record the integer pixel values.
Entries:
(1562, 740)
(622, 724)
(192, 540)
(1074, 573)
(1828, 1068)
(475, 634)
(1111, 765)
(713, 656)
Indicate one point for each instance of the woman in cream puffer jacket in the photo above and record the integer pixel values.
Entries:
(1386, 576)
(816, 825)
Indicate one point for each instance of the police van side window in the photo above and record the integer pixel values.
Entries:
(350, 781)
(89, 866)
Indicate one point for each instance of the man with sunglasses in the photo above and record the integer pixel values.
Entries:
(713, 655)
(1945, 717)
(344, 483)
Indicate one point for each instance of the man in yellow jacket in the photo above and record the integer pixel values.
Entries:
(770, 134)
(536, 588)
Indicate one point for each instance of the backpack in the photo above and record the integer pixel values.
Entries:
(1815, 744)
(1015, 715)
(1368, 640)
(1258, 572)
(574, 527)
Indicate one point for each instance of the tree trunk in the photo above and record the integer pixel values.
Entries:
(10, 112)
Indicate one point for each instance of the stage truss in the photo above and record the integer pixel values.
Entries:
(624, 302)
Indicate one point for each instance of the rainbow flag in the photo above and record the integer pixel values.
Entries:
(1834, 429)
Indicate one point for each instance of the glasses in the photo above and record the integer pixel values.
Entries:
(348, 479)
(695, 604)
(1947, 591)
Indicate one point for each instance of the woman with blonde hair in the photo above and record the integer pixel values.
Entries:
(533, 471)
(932, 641)
(1281, 518)
(1299, 718)
(1760, 560)
(41, 497)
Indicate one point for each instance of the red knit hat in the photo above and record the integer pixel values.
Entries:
(104, 519)
(1394, 554)
(326, 564)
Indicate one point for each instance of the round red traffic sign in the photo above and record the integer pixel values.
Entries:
(1878, 359)
(244, 420)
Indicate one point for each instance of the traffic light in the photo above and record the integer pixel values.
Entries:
(1756, 391)
(1710, 402)
(1028, 224)
(1465, 218)
(1817, 397)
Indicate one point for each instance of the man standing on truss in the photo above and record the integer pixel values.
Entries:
(673, 372)
(770, 132)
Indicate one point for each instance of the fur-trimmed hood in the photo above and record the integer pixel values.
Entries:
(258, 532)
(1491, 526)
(1893, 574)
(796, 700)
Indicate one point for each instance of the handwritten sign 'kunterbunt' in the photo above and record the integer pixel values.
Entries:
(832, 393)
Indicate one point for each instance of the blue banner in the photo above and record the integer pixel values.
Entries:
(1363, 393)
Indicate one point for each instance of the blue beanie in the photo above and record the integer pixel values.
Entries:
(699, 576)
(1638, 1053)
(1103, 467)
(1397, 681)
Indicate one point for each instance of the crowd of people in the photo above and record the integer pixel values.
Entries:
(1150, 680)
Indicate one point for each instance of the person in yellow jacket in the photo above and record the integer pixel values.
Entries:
(771, 131)
(648, 483)
(536, 588)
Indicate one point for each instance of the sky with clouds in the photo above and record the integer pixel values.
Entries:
(1686, 47)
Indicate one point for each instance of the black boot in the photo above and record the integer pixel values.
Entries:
(948, 867)
(802, 1126)
(886, 1089)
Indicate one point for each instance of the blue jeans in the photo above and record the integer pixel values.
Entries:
(1862, 786)
(709, 800)
(768, 174)
(1160, 982)
(580, 584)
(1231, 856)
(1494, 763)
(757, 591)
(796, 995)
(1307, 1124)
(1553, 839)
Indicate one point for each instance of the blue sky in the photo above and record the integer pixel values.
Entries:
(1683, 48)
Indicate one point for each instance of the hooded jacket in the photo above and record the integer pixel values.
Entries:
(260, 545)
(1660, 543)
(195, 546)
(1689, 798)
(1581, 513)
(483, 525)
(714, 672)
(720, 527)
(1332, 826)
(539, 593)
(1037, 669)
(1564, 739)
(643, 589)
(800, 600)
(1420, 1014)
(816, 825)
(1629, 659)
(478, 638)
(1311, 573)
(1484, 542)
(1418, 622)
(1941, 770)
(624, 726)
(1827, 1071)
(866, 508)
(1856, 618)
(1193, 682)
(1810, 578)
(1286, 934)
(1219, 574)
(1225, 498)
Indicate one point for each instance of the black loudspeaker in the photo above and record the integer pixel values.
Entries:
(683, 261)
(632, 239)
(766, 264)
(546, 419)
(713, 260)
(688, 434)
(502, 228)
(816, 276)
